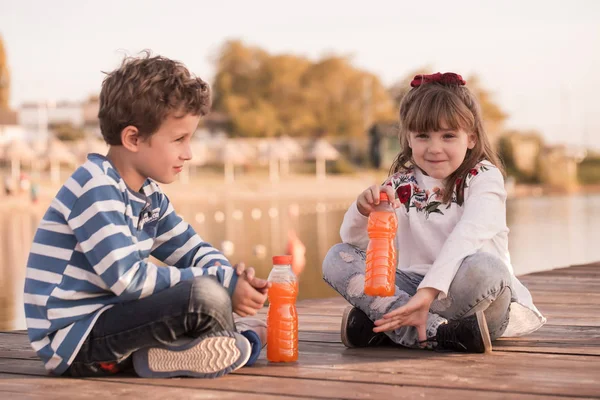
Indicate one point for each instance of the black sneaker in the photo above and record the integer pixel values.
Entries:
(357, 330)
(469, 335)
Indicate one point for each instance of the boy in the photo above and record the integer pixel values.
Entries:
(92, 297)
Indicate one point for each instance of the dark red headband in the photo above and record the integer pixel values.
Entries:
(449, 78)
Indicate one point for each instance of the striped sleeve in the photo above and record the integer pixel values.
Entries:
(178, 244)
(99, 224)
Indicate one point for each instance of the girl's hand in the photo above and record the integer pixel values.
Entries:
(368, 199)
(414, 313)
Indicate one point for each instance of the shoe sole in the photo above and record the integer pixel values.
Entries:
(210, 356)
(345, 340)
(485, 333)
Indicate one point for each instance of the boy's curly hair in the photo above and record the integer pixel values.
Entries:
(144, 91)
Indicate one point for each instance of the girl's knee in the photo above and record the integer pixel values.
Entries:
(484, 270)
(481, 278)
(338, 258)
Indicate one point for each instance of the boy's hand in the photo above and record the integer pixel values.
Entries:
(246, 300)
(259, 284)
(368, 199)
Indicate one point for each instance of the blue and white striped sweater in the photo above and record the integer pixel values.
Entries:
(91, 251)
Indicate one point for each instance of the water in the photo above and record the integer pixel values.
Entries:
(545, 233)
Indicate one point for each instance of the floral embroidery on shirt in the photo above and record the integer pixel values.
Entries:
(428, 201)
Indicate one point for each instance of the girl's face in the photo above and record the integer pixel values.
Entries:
(440, 153)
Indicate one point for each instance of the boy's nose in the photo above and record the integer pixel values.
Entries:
(187, 154)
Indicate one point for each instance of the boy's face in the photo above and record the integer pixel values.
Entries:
(161, 157)
(440, 153)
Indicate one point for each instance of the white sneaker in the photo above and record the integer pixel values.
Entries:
(209, 356)
(253, 324)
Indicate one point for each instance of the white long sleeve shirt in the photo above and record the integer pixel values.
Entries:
(434, 238)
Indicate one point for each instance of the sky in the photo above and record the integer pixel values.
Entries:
(540, 59)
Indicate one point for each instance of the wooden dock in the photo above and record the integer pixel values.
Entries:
(561, 360)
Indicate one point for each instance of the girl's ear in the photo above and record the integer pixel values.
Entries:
(472, 141)
(130, 138)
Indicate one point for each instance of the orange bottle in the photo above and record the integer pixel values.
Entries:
(282, 319)
(380, 275)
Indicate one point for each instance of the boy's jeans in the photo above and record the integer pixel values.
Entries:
(190, 308)
(481, 283)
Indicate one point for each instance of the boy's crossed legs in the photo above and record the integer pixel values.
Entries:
(198, 308)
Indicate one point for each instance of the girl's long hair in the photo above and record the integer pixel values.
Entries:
(433, 107)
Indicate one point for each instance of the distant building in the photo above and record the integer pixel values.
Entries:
(37, 118)
(91, 124)
(31, 115)
(559, 166)
(526, 148)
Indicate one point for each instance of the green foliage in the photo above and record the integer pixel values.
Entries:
(506, 152)
(340, 166)
(67, 132)
(265, 94)
(491, 111)
(400, 88)
(588, 171)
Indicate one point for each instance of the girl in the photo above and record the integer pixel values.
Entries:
(455, 287)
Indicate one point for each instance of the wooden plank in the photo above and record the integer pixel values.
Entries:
(135, 388)
(552, 297)
(573, 271)
(19, 387)
(549, 339)
(537, 373)
(559, 316)
(566, 334)
(575, 268)
(502, 345)
(15, 346)
(22, 367)
(318, 388)
(552, 283)
(560, 359)
(546, 348)
(587, 334)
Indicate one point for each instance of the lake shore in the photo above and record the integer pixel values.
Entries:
(213, 187)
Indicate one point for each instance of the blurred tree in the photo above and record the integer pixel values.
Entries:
(400, 88)
(493, 116)
(65, 131)
(520, 152)
(264, 95)
(4, 78)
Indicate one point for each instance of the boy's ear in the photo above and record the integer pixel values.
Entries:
(130, 138)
